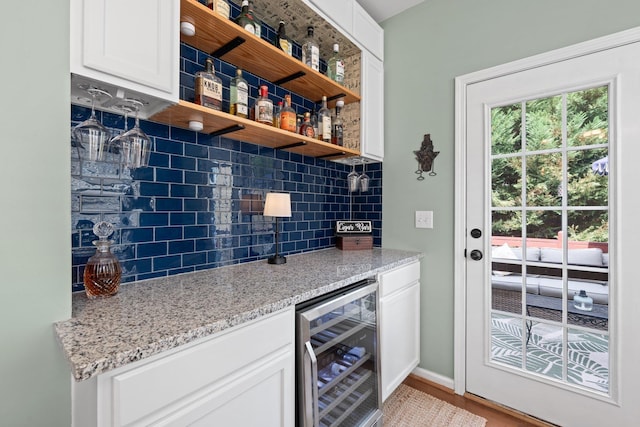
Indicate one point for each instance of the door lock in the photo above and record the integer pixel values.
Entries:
(476, 233)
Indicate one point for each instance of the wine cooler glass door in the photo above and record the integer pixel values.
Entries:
(339, 368)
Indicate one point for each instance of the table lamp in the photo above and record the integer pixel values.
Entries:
(277, 205)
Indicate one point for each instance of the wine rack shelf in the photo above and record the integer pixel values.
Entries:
(218, 122)
(223, 38)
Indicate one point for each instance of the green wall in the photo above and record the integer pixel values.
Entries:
(35, 249)
(426, 47)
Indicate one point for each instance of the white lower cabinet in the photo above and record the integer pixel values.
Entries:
(240, 377)
(399, 325)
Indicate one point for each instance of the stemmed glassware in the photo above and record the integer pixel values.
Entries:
(136, 145)
(90, 135)
(357, 182)
(364, 179)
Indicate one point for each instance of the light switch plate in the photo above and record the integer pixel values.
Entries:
(424, 219)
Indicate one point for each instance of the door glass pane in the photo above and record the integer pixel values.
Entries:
(588, 186)
(550, 302)
(506, 129)
(506, 182)
(544, 123)
(544, 179)
(588, 117)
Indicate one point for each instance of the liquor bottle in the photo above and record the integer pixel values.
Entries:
(335, 66)
(288, 116)
(245, 19)
(307, 128)
(324, 122)
(277, 109)
(220, 6)
(263, 107)
(256, 21)
(208, 87)
(310, 50)
(239, 95)
(337, 127)
(314, 120)
(103, 271)
(282, 41)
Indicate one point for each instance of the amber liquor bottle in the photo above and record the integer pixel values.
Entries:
(208, 87)
(306, 128)
(288, 116)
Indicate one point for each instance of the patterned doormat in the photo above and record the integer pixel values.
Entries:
(408, 407)
(587, 352)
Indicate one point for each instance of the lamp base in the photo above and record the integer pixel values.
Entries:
(277, 259)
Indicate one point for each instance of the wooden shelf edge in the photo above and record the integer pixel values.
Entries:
(179, 115)
(256, 55)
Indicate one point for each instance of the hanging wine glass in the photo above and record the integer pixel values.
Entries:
(352, 179)
(117, 144)
(90, 135)
(364, 179)
(136, 148)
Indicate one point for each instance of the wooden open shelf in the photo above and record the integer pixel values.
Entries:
(213, 32)
(180, 114)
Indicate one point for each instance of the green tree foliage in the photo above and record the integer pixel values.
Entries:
(545, 132)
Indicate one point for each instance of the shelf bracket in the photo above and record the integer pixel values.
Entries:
(226, 48)
(324, 156)
(293, 76)
(331, 98)
(295, 144)
(233, 128)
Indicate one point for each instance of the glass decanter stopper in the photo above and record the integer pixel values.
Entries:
(102, 272)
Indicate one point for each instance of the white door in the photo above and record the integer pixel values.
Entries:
(552, 170)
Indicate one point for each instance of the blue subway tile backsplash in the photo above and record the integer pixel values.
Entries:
(199, 203)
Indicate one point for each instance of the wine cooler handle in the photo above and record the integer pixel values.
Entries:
(311, 387)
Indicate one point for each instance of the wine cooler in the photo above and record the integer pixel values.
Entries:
(338, 369)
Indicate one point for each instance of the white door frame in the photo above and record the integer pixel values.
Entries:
(460, 211)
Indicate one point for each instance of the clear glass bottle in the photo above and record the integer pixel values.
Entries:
(276, 114)
(288, 116)
(324, 122)
(245, 19)
(582, 301)
(257, 22)
(102, 273)
(263, 107)
(335, 66)
(310, 50)
(306, 128)
(239, 95)
(209, 87)
(314, 121)
(282, 41)
(221, 7)
(337, 128)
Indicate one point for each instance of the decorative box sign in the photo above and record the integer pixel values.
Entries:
(353, 227)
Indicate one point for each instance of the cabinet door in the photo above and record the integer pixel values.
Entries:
(372, 108)
(367, 32)
(338, 12)
(257, 396)
(130, 44)
(399, 336)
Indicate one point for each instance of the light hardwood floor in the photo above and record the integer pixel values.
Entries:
(495, 415)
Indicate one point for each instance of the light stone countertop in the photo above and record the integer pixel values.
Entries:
(151, 316)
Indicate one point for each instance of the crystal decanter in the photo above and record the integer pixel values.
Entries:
(102, 273)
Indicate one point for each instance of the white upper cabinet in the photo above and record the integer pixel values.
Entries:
(340, 12)
(372, 108)
(367, 32)
(130, 48)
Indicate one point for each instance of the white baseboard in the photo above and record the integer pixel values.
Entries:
(433, 377)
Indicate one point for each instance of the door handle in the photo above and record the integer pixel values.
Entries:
(311, 415)
(476, 255)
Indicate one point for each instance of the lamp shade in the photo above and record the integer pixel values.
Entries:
(278, 205)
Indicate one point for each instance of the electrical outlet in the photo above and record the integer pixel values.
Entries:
(424, 219)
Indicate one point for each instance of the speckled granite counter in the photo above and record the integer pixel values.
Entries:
(151, 316)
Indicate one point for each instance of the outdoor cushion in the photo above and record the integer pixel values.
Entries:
(605, 260)
(514, 283)
(553, 288)
(590, 257)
